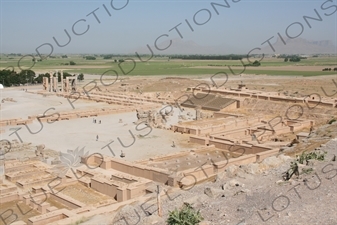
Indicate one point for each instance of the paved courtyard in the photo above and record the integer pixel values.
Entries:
(140, 142)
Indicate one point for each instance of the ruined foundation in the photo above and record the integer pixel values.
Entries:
(101, 183)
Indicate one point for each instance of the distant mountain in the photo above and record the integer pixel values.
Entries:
(180, 46)
(300, 46)
(293, 46)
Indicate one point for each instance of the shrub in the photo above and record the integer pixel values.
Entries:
(255, 63)
(90, 58)
(80, 77)
(307, 171)
(331, 121)
(291, 171)
(185, 216)
(311, 155)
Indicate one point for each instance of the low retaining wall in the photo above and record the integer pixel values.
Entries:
(155, 174)
(9, 197)
(66, 200)
(50, 217)
(262, 155)
(242, 160)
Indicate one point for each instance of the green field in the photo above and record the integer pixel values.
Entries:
(164, 66)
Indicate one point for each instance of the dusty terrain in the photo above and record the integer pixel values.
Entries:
(176, 85)
(277, 68)
(65, 135)
(253, 194)
(247, 194)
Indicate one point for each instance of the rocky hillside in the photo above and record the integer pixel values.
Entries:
(254, 193)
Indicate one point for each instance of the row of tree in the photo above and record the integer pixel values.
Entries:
(255, 63)
(12, 78)
(208, 57)
(291, 58)
(72, 63)
(89, 57)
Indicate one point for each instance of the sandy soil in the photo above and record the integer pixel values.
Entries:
(277, 68)
(85, 195)
(237, 204)
(81, 133)
(64, 135)
(252, 194)
(23, 211)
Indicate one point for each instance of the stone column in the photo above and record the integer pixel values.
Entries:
(55, 82)
(51, 82)
(160, 213)
(2, 164)
(75, 82)
(197, 114)
(62, 81)
(67, 84)
(45, 83)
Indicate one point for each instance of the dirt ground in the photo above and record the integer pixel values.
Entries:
(325, 86)
(255, 193)
(85, 195)
(277, 68)
(230, 204)
(18, 208)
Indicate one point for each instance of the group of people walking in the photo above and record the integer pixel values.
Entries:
(95, 121)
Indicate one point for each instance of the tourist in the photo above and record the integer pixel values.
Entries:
(96, 137)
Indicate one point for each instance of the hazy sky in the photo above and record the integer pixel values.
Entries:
(246, 24)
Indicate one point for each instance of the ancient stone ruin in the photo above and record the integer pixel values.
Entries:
(62, 187)
(153, 118)
(67, 85)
